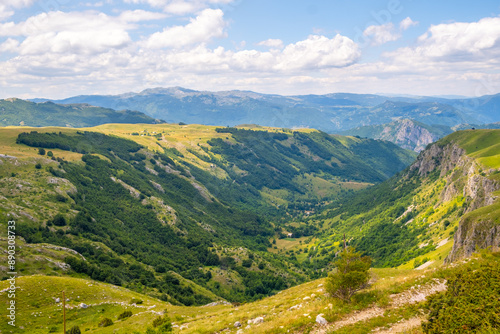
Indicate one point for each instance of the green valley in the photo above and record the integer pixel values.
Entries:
(180, 216)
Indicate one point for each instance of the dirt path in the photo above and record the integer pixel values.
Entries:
(411, 296)
(401, 327)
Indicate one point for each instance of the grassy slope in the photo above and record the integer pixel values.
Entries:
(292, 310)
(430, 211)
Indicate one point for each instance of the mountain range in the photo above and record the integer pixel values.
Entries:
(409, 121)
(330, 113)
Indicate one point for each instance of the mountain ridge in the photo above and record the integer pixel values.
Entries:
(331, 113)
(15, 112)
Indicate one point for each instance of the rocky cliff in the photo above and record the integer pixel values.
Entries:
(464, 175)
(405, 133)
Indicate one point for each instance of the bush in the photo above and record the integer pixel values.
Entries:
(446, 223)
(125, 314)
(105, 322)
(350, 276)
(59, 220)
(61, 198)
(75, 330)
(41, 151)
(247, 263)
(471, 302)
(38, 166)
(50, 154)
(136, 301)
(163, 324)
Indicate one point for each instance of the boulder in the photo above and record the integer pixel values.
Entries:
(320, 320)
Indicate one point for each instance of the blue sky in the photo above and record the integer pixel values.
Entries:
(61, 48)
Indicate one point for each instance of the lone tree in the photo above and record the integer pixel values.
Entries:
(350, 276)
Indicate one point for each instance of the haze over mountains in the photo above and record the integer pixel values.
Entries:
(331, 113)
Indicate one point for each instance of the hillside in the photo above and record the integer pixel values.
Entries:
(201, 198)
(396, 302)
(25, 113)
(331, 113)
(451, 191)
(107, 189)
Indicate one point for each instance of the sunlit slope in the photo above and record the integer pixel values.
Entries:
(448, 196)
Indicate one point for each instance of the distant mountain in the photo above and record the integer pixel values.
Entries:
(331, 113)
(405, 133)
(411, 134)
(20, 112)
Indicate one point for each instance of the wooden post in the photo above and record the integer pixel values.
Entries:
(344, 242)
(64, 312)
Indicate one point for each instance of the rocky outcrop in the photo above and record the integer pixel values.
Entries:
(408, 134)
(464, 177)
(447, 158)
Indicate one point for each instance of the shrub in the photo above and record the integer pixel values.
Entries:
(471, 302)
(75, 330)
(124, 315)
(50, 154)
(41, 151)
(38, 166)
(59, 220)
(105, 322)
(61, 198)
(446, 223)
(163, 324)
(350, 276)
(136, 301)
(247, 263)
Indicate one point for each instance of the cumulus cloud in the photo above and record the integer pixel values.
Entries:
(7, 6)
(407, 23)
(207, 25)
(87, 32)
(381, 34)
(318, 52)
(181, 7)
(272, 43)
(456, 42)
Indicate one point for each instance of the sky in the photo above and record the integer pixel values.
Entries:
(61, 48)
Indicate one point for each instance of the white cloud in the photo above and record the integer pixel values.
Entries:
(7, 6)
(87, 32)
(318, 52)
(207, 25)
(382, 33)
(474, 42)
(181, 7)
(407, 23)
(272, 43)
(10, 45)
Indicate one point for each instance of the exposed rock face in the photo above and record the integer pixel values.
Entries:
(407, 134)
(463, 176)
(471, 235)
